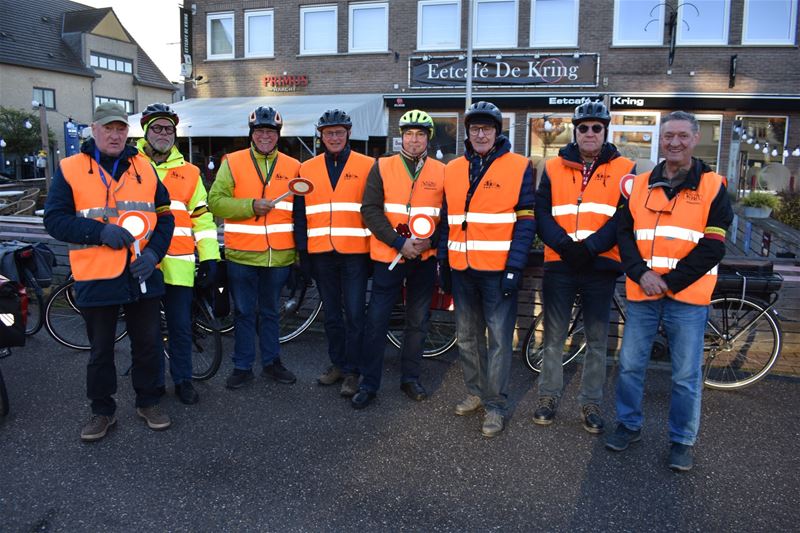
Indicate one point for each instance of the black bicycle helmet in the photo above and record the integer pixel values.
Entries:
(334, 117)
(154, 111)
(591, 111)
(265, 117)
(485, 111)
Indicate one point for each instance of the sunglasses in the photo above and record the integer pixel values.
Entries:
(596, 128)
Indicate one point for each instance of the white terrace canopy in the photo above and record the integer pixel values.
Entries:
(227, 117)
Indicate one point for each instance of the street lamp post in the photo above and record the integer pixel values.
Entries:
(3, 145)
(45, 143)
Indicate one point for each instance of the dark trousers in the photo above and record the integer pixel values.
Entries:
(178, 311)
(386, 289)
(342, 284)
(143, 321)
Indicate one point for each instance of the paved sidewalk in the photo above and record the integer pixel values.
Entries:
(297, 458)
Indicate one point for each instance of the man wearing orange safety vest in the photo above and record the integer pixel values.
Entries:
(194, 227)
(399, 188)
(333, 244)
(576, 213)
(95, 197)
(487, 230)
(671, 238)
(259, 246)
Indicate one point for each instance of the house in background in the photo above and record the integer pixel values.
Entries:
(71, 57)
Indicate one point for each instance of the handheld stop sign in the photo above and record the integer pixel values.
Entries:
(298, 187)
(421, 226)
(626, 185)
(137, 225)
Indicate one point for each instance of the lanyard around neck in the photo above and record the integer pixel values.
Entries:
(106, 182)
(270, 170)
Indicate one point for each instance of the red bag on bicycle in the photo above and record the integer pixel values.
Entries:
(13, 313)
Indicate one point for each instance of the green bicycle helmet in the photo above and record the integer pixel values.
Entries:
(417, 119)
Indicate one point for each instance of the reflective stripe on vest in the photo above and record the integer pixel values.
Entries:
(485, 243)
(181, 182)
(664, 238)
(90, 262)
(334, 216)
(274, 231)
(582, 213)
(404, 198)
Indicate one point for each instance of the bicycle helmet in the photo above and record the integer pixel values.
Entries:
(154, 111)
(334, 117)
(265, 117)
(417, 119)
(591, 111)
(485, 111)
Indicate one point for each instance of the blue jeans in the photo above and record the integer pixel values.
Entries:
(684, 325)
(342, 284)
(559, 290)
(486, 361)
(256, 293)
(178, 311)
(386, 288)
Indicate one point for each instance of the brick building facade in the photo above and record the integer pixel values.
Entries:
(734, 64)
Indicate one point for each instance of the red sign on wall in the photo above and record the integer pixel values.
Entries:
(285, 83)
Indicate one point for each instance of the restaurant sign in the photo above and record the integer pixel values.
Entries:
(517, 70)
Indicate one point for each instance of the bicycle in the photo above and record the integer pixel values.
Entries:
(743, 336)
(14, 304)
(25, 266)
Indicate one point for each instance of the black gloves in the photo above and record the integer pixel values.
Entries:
(445, 277)
(115, 237)
(206, 273)
(144, 265)
(510, 282)
(576, 255)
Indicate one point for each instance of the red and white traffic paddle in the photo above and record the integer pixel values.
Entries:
(421, 226)
(298, 187)
(626, 185)
(138, 225)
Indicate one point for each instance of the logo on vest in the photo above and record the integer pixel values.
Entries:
(601, 177)
(174, 174)
(489, 184)
(349, 176)
(429, 185)
(282, 177)
(693, 197)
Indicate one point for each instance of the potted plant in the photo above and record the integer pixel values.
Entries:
(759, 204)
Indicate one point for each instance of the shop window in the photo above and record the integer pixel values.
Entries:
(635, 133)
(703, 22)
(708, 147)
(439, 25)
(45, 96)
(446, 135)
(508, 128)
(259, 33)
(126, 104)
(219, 28)
(369, 27)
(547, 134)
(766, 138)
(638, 23)
(318, 30)
(554, 23)
(494, 24)
(769, 22)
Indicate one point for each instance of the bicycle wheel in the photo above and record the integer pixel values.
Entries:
(741, 343)
(441, 331)
(533, 348)
(206, 342)
(65, 323)
(35, 316)
(299, 306)
(3, 397)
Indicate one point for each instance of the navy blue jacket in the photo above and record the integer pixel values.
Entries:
(524, 227)
(554, 236)
(62, 223)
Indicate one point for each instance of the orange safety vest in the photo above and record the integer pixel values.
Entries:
(181, 183)
(134, 191)
(486, 240)
(259, 233)
(667, 230)
(334, 216)
(581, 213)
(403, 198)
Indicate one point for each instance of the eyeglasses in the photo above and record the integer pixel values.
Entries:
(158, 128)
(658, 202)
(328, 134)
(265, 132)
(596, 128)
(476, 130)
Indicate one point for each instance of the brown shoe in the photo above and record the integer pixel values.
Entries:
(97, 427)
(468, 405)
(349, 385)
(332, 375)
(156, 418)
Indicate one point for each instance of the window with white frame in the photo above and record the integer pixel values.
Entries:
(708, 146)
(219, 31)
(259, 33)
(45, 96)
(445, 135)
(439, 25)
(108, 62)
(703, 22)
(369, 27)
(494, 24)
(126, 104)
(638, 23)
(318, 30)
(766, 139)
(508, 128)
(547, 134)
(554, 23)
(769, 22)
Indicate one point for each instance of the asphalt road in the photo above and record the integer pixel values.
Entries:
(297, 458)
